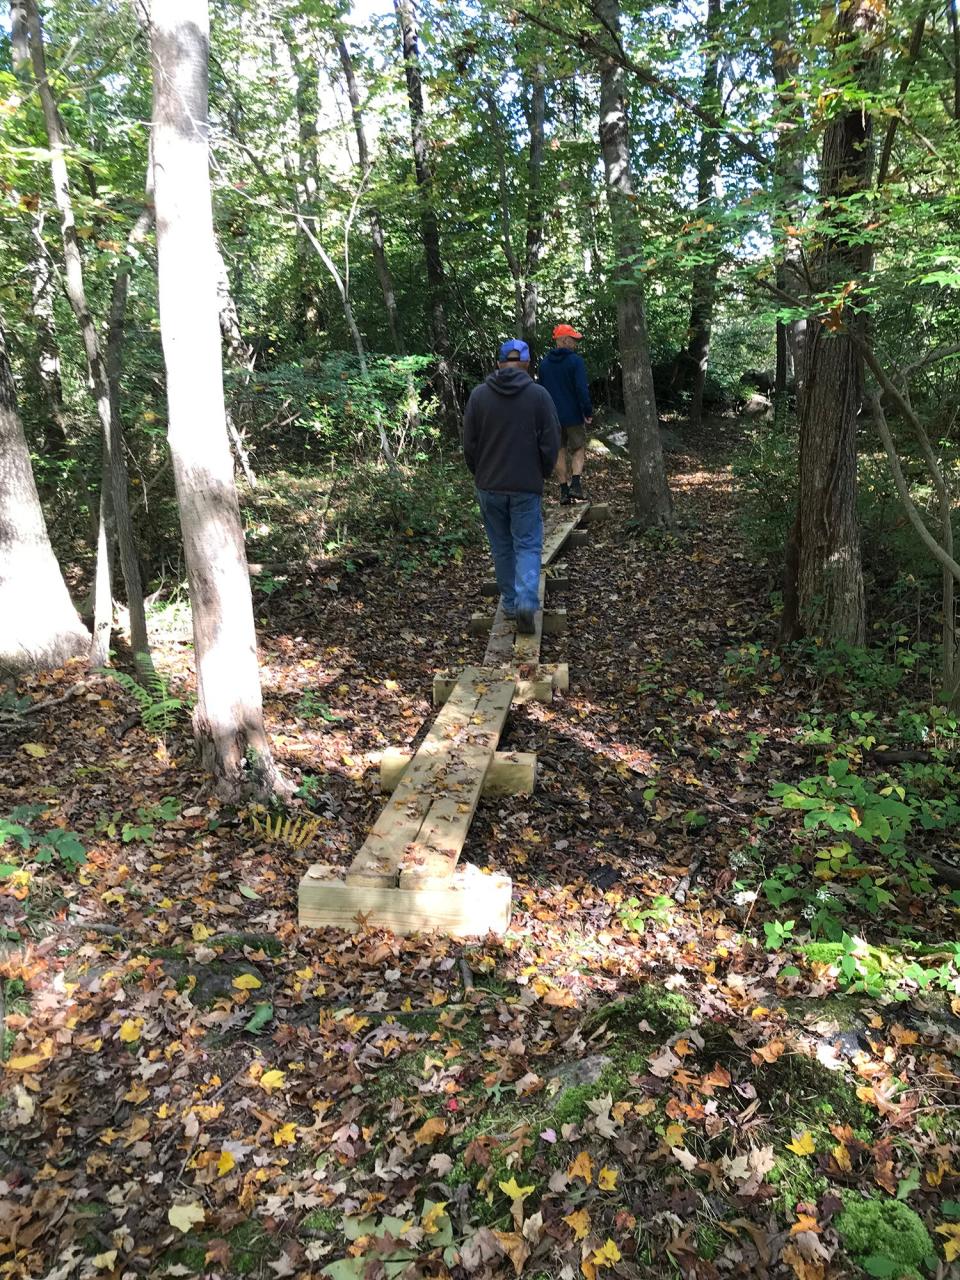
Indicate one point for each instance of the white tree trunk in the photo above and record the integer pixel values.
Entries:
(39, 626)
(229, 717)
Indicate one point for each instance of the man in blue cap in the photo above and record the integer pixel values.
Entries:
(511, 439)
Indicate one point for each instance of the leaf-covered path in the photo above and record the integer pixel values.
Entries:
(629, 1084)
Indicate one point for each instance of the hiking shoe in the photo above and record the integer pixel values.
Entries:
(526, 626)
(565, 498)
(576, 490)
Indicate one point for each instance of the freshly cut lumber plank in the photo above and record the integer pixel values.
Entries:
(500, 644)
(533, 684)
(558, 527)
(470, 904)
(379, 858)
(433, 855)
(510, 773)
(527, 648)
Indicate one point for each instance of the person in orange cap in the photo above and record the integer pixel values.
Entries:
(564, 374)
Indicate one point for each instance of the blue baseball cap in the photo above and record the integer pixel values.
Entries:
(514, 349)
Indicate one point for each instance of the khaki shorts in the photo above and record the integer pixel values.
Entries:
(574, 438)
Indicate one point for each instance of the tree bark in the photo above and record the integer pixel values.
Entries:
(536, 122)
(704, 276)
(429, 229)
(377, 239)
(788, 192)
(39, 625)
(652, 504)
(241, 351)
(830, 596)
(228, 721)
(116, 476)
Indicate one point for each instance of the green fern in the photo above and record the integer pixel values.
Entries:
(159, 711)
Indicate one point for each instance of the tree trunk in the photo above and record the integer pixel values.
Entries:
(429, 230)
(651, 496)
(228, 721)
(377, 238)
(99, 378)
(53, 440)
(382, 267)
(39, 626)
(704, 276)
(536, 120)
(788, 193)
(241, 351)
(830, 594)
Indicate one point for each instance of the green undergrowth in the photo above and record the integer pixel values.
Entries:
(250, 1248)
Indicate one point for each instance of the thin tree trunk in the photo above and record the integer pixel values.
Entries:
(788, 192)
(506, 220)
(651, 496)
(39, 625)
(54, 442)
(704, 276)
(429, 230)
(536, 123)
(228, 721)
(76, 294)
(382, 267)
(241, 351)
(377, 238)
(830, 594)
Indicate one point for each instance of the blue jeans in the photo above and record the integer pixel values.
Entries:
(514, 525)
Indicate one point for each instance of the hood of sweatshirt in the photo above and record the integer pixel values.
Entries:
(556, 355)
(508, 382)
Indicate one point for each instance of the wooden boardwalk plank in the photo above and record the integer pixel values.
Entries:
(558, 526)
(433, 855)
(378, 860)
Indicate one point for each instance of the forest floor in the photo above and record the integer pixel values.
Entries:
(643, 1078)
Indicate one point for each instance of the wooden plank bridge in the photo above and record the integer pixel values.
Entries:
(406, 876)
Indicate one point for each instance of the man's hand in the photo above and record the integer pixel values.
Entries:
(587, 422)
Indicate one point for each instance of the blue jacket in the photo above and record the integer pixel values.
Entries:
(564, 375)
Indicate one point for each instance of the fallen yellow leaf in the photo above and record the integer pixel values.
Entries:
(607, 1179)
(579, 1221)
(515, 1192)
(581, 1167)
(225, 1163)
(286, 1135)
(607, 1255)
(951, 1246)
(271, 1080)
(185, 1216)
(431, 1129)
(130, 1030)
(247, 982)
(36, 750)
(803, 1144)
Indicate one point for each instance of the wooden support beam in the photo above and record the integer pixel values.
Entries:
(510, 773)
(554, 622)
(480, 623)
(537, 687)
(558, 578)
(596, 512)
(469, 904)
(577, 538)
(489, 588)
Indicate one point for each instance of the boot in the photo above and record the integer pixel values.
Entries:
(576, 490)
(526, 625)
(565, 498)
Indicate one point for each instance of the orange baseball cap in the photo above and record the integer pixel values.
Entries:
(566, 331)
